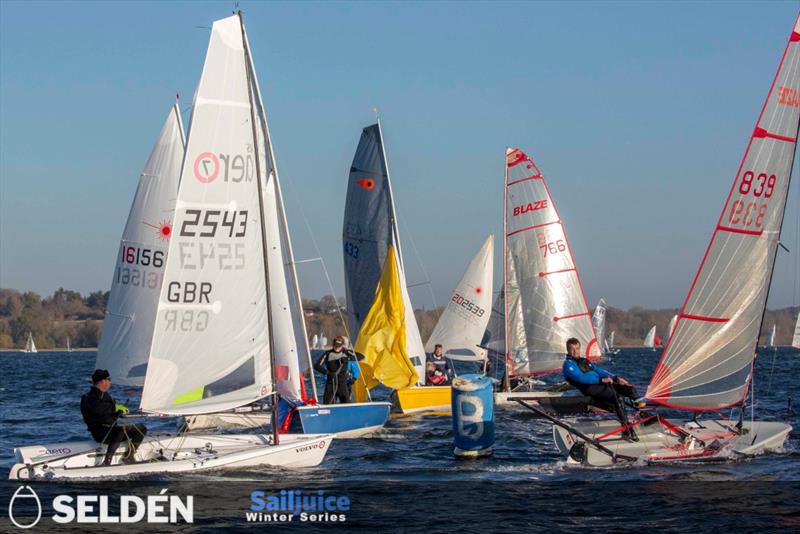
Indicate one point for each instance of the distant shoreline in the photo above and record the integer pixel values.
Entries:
(82, 349)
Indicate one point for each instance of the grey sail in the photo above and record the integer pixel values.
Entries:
(367, 230)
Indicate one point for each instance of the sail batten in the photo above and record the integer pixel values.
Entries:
(544, 301)
(707, 364)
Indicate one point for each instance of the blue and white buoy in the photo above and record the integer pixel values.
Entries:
(473, 416)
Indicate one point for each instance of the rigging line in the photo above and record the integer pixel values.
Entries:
(427, 281)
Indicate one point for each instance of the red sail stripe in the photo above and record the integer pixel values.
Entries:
(705, 318)
(532, 227)
(543, 274)
(534, 177)
(556, 318)
(739, 230)
(761, 133)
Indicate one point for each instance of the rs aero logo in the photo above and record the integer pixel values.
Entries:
(25, 494)
(236, 168)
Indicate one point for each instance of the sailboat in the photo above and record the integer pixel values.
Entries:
(461, 325)
(599, 324)
(708, 363)
(650, 338)
(542, 303)
(796, 336)
(30, 346)
(216, 339)
(139, 268)
(69, 348)
(610, 348)
(671, 327)
(771, 339)
(369, 230)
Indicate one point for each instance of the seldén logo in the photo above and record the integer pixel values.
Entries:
(160, 508)
(25, 492)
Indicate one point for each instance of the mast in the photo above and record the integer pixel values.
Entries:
(259, 180)
(262, 115)
(393, 214)
(506, 375)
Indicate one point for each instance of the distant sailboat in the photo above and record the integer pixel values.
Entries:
(707, 365)
(30, 346)
(796, 337)
(609, 344)
(69, 348)
(315, 342)
(771, 339)
(599, 323)
(650, 338)
(461, 326)
(671, 326)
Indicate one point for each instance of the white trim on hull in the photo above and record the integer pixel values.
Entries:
(710, 440)
(169, 453)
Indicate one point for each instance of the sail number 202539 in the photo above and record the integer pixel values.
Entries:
(750, 214)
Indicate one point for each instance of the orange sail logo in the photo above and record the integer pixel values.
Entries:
(366, 183)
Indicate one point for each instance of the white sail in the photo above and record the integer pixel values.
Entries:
(69, 348)
(709, 360)
(671, 326)
(139, 267)
(544, 303)
(599, 323)
(650, 338)
(461, 326)
(315, 341)
(211, 345)
(771, 340)
(796, 336)
(323, 342)
(610, 340)
(30, 346)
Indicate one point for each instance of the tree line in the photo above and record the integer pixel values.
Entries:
(68, 314)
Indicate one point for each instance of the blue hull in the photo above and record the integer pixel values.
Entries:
(349, 419)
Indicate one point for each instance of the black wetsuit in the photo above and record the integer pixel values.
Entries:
(100, 415)
(334, 366)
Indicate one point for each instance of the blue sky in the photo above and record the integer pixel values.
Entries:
(637, 113)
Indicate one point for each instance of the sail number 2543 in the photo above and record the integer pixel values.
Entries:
(751, 213)
(205, 223)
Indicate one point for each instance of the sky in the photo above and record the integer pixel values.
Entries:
(638, 115)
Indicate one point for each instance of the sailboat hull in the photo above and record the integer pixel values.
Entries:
(169, 453)
(347, 421)
(422, 399)
(669, 441)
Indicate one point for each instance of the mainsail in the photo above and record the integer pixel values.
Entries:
(708, 362)
(370, 228)
(610, 340)
(30, 346)
(211, 348)
(796, 336)
(650, 338)
(461, 326)
(130, 315)
(771, 340)
(599, 323)
(545, 304)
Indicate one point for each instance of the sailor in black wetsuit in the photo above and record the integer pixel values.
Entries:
(334, 365)
(605, 388)
(100, 414)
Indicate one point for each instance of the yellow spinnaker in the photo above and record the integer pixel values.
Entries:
(382, 339)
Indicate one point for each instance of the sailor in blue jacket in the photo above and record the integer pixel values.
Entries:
(605, 388)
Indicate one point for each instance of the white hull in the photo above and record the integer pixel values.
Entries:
(169, 453)
(711, 440)
(507, 397)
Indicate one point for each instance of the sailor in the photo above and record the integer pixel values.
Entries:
(441, 363)
(334, 365)
(605, 388)
(100, 414)
(433, 376)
